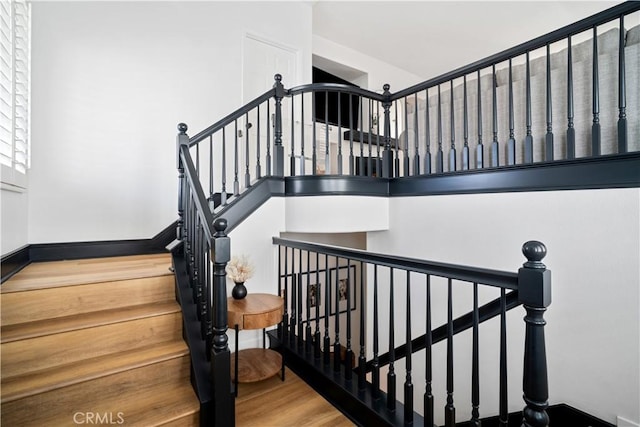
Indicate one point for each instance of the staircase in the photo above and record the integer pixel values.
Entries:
(95, 341)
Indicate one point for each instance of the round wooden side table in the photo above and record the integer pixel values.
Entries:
(255, 311)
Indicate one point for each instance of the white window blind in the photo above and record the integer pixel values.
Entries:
(15, 66)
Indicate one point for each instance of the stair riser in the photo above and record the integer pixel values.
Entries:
(26, 306)
(58, 407)
(30, 355)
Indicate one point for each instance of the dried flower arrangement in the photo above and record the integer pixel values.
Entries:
(239, 269)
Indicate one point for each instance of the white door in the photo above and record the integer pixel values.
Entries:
(262, 60)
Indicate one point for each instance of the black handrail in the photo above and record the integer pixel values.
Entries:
(521, 49)
(317, 87)
(231, 117)
(496, 278)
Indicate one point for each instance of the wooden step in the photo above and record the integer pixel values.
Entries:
(48, 303)
(34, 354)
(40, 328)
(52, 379)
(154, 393)
(53, 274)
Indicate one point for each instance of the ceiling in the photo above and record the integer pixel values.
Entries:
(428, 38)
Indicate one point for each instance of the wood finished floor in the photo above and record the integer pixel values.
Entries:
(292, 403)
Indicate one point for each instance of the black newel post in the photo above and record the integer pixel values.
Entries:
(534, 290)
(223, 395)
(387, 154)
(181, 139)
(278, 149)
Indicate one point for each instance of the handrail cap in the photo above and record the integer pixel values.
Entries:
(534, 251)
(182, 127)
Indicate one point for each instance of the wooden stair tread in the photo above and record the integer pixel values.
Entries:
(42, 275)
(153, 406)
(40, 328)
(59, 376)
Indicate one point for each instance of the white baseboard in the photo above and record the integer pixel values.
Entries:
(621, 422)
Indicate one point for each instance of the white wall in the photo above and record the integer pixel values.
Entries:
(593, 332)
(110, 82)
(14, 220)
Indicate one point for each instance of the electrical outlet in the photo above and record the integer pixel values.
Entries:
(621, 422)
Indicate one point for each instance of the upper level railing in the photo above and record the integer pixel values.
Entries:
(502, 111)
(335, 296)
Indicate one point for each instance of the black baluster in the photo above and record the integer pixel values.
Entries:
(316, 338)
(362, 360)
(292, 161)
(336, 341)
(375, 372)
(223, 397)
(258, 166)
(302, 160)
(351, 130)
(294, 297)
(439, 155)
(299, 327)
(391, 373)
(548, 138)
(475, 365)
(504, 406)
(348, 356)
(595, 127)
(285, 316)
(361, 159)
(511, 143)
(622, 101)
(339, 133)
(534, 290)
(427, 130)
(465, 127)
(198, 159)
(571, 132)
(378, 158)
(528, 139)
(327, 158)
(396, 164)
(369, 166)
(452, 151)
(327, 302)
(210, 198)
(450, 410)
(408, 385)
(495, 146)
(314, 143)
(416, 154)
(281, 293)
(236, 183)
(307, 334)
(247, 175)
(278, 149)
(268, 155)
(223, 193)
(479, 147)
(406, 138)
(428, 396)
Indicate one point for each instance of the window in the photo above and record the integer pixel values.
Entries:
(15, 70)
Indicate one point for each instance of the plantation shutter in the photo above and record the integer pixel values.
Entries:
(15, 91)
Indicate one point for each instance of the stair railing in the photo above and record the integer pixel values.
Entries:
(323, 285)
(206, 251)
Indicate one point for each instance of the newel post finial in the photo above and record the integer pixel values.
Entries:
(278, 149)
(534, 292)
(387, 154)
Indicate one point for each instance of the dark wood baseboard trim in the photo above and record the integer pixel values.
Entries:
(20, 258)
(14, 262)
